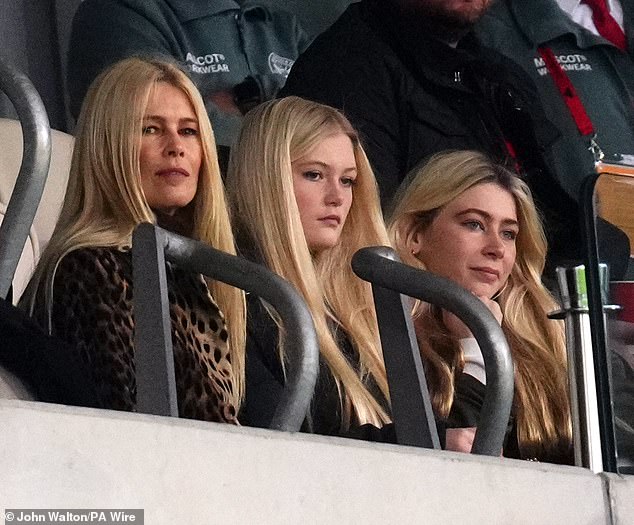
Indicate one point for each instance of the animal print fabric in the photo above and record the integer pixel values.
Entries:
(93, 312)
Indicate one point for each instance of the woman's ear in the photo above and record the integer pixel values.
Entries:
(417, 243)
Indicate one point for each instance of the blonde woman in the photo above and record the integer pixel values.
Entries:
(465, 218)
(144, 152)
(304, 200)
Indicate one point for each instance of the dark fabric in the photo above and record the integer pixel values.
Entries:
(411, 96)
(92, 312)
(602, 75)
(468, 400)
(46, 365)
(220, 42)
(265, 383)
(465, 413)
(265, 378)
(622, 383)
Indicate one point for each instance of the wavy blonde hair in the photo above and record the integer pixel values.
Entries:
(104, 200)
(537, 343)
(260, 188)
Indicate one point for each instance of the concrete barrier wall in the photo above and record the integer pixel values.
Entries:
(189, 472)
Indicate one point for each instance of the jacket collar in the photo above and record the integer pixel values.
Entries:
(188, 10)
(542, 21)
(422, 54)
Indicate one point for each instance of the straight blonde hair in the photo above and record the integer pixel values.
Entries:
(260, 188)
(537, 343)
(104, 200)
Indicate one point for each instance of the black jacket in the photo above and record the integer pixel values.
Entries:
(265, 382)
(410, 96)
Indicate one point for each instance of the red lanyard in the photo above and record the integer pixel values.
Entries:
(567, 92)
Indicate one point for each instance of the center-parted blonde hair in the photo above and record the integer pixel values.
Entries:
(104, 200)
(260, 188)
(537, 343)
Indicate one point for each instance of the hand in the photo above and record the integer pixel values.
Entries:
(459, 329)
(224, 101)
(459, 439)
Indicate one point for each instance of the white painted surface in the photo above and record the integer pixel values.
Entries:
(621, 494)
(188, 472)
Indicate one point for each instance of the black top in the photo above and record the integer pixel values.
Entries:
(465, 412)
(265, 382)
(46, 365)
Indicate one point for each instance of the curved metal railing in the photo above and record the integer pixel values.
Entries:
(29, 185)
(380, 267)
(156, 391)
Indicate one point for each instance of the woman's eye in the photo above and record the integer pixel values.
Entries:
(474, 225)
(149, 130)
(509, 235)
(311, 175)
(189, 131)
(348, 181)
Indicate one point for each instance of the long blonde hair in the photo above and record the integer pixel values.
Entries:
(104, 200)
(537, 343)
(260, 188)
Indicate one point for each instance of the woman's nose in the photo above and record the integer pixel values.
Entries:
(174, 146)
(495, 246)
(334, 194)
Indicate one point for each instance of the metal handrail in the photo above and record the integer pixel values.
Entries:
(155, 382)
(29, 184)
(597, 324)
(380, 266)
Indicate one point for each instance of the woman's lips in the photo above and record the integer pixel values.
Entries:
(486, 273)
(170, 172)
(331, 220)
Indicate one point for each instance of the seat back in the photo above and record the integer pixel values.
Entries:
(50, 204)
(29, 184)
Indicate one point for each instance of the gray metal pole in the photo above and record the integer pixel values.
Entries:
(372, 265)
(584, 408)
(303, 364)
(29, 185)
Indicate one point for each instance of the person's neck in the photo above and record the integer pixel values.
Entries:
(180, 222)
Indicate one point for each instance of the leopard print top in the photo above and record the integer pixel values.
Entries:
(92, 311)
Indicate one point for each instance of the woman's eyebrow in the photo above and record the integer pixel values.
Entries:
(184, 120)
(486, 215)
(322, 164)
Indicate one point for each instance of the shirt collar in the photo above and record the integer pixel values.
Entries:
(568, 6)
(542, 21)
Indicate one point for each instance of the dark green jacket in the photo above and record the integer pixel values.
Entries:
(603, 77)
(219, 41)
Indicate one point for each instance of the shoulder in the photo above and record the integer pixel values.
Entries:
(93, 263)
(118, 21)
(352, 32)
(361, 77)
(90, 276)
(115, 8)
(498, 16)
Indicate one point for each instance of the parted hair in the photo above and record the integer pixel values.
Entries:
(537, 343)
(104, 200)
(266, 216)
